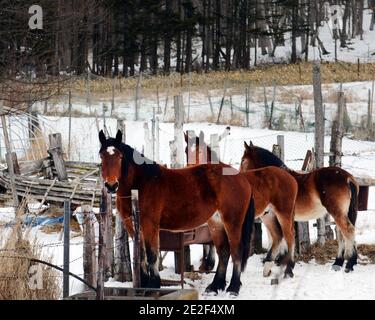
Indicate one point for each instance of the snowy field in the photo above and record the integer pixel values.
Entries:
(358, 159)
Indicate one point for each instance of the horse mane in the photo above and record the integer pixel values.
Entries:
(269, 159)
(150, 167)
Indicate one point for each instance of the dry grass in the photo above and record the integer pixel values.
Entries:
(367, 250)
(282, 74)
(327, 253)
(321, 254)
(15, 262)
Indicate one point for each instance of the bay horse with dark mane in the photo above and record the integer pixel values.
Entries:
(273, 188)
(179, 200)
(329, 189)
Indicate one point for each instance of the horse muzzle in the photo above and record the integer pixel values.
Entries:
(112, 188)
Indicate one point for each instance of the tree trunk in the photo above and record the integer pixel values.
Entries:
(167, 38)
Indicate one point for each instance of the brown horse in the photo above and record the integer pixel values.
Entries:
(329, 189)
(178, 200)
(273, 188)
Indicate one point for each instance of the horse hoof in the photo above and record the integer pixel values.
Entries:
(215, 287)
(210, 293)
(350, 269)
(335, 267)
(266, 273)
(233, 292)
(267, 269)
(204, 269)
(288, 275)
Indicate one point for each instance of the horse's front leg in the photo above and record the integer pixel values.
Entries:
(151, 238)
(208, 259)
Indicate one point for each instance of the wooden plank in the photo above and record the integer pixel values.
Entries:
(46, 194)
(55, 149)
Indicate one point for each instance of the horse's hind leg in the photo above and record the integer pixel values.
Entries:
(287, 226)
(275, 235)
(220, 239)
(234, 234)
(208, 259)
(339, 261)
(350, 252)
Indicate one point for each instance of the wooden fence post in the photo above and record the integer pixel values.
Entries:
(247, 104)
(222, 102)
(192, 159)
(109, 237)
(137, 96)
(211, 107)
(89, 245)
(215, 148)
(122, 259)
(148, 147)
(8, 158)
(88, 90)
(70, 122)
(55, 149)
(137, 240)
(319, 135)
(66, 248)
(281, 144)
(179, 113)
(102, 245)
(369, 110)
(272, 104)
(113, 96)
(302, 236)
(266, 108)
(177, 161)
(157, 141)
(158, 100)
(337, 134)
(122, 128)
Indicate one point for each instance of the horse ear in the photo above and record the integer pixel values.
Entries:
(247, 148)
(186, 137)
(102, 137)
(251, 144)
(118, 136)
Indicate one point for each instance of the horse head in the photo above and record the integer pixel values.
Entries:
(111, 160)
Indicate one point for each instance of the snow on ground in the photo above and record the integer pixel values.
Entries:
(311, 280)
(358, 159)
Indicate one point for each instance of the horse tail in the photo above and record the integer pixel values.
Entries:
(247, 228)
(353, 207)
